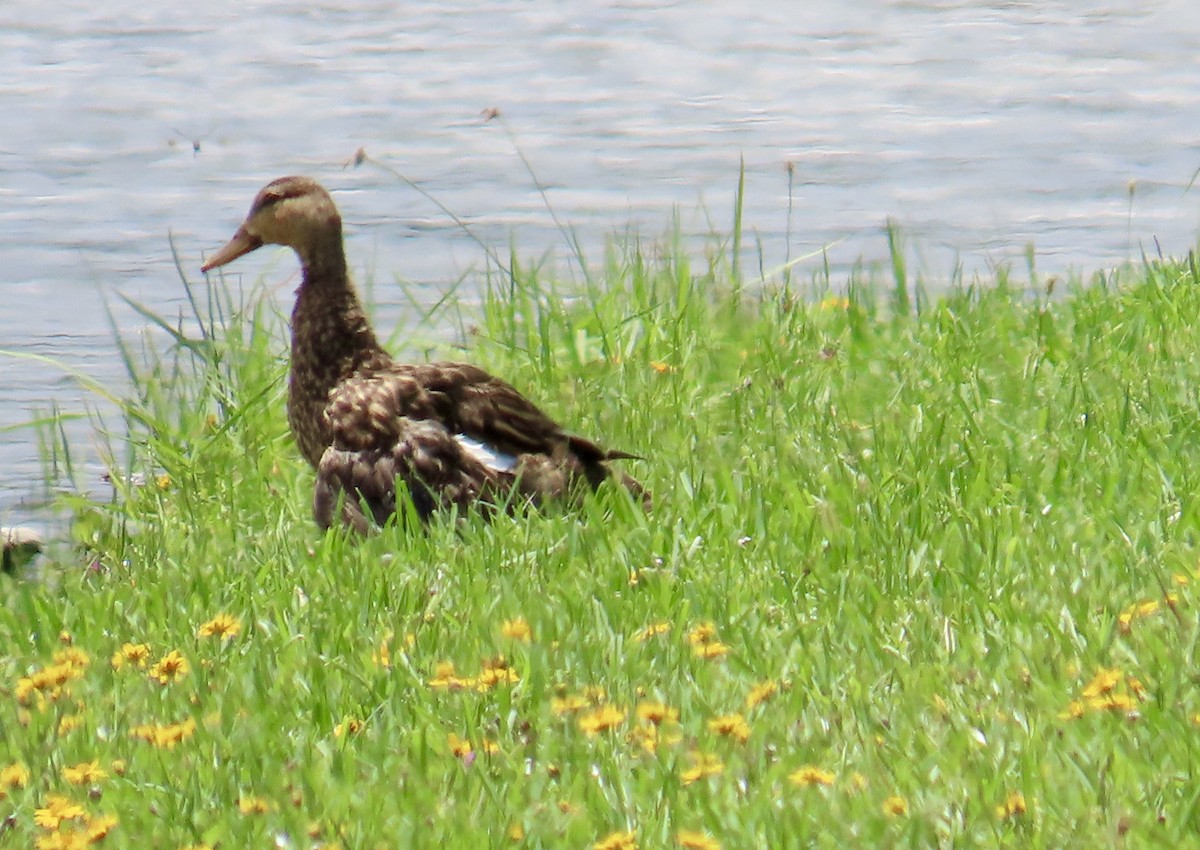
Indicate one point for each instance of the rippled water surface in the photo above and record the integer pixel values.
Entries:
(980, 127)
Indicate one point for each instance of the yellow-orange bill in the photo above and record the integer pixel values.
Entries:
(241, 243)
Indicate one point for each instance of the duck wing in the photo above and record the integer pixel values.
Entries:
(472, 402)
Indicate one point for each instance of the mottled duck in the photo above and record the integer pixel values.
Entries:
(450, 434)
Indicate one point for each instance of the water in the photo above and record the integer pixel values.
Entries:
(980, 127)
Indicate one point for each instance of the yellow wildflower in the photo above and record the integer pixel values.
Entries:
(617, 841)
(170, 668)
(568, 704)
(657, 713)
(69, 722)
(383, 656)
(65, 637)
(163, 481)
(165, 737)
(695, 840)
(348, 726)
(706, 765)
(459, 747)
(72, 657)
(137, 654)
(70, 839)
(118, 767)
(715, 649)
(601, 719)
(651, 630)
(223, 626)
(731, 726)
(57, 810)
(15, 775)
(1104, 681)
(834, 302)
(704, 633)
(84, 773)
(495, 672)
(517, 629)
(810, 775)
(1013, 806)
(252, 805)
(444, 678)
(660, 367)
(99, 827)
(1121, 703)
(895, 806)
(1074, 710)
(516, 832)
(760, 693)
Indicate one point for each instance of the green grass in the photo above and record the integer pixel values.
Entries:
(921, 519)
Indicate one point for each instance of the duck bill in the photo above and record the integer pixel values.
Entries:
(241, 243)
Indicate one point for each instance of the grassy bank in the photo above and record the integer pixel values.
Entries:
(919, 573)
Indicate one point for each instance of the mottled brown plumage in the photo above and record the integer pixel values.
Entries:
(449, 433)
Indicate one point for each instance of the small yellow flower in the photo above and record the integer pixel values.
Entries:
(810, 775)
(760, 693)
(516, 832)
(70, 839)
(65, 637)
(99, 827)
(72, 656)
(1105, 680)
(136, 654)
(716, 649)
(568, 704)
(170, 668)
(601, 719)
(348, 726)
(118, 767)
(617, 841)
(69, 722)
(703, 633)
(696, 840)
(15, 775)
(165, 737)
(163, 481)
(252, 805)
(895, 806)
(1074, 710)
(85, 773)
(834, 302)
(382, 657)
(651, 631)
(459, 747)
(705, 765)
(660, 367)
(731, 726)
(517, 629)
(223, 626)
(657, 713)
(444, 678)
(495, 672)
(57, 810)
(1119, 703)
(1013, 806)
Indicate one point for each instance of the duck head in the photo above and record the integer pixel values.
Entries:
(292, 211)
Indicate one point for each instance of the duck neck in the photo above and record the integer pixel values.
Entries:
(331, 340)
